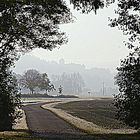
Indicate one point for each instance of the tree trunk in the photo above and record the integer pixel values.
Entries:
(32, 91)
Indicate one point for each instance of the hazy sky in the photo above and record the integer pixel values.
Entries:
(91, 42)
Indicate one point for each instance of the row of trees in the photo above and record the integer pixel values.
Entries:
(32, 79)
(71, 83)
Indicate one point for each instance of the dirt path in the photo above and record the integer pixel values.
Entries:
(45, 123)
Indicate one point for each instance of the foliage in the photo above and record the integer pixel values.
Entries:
(128, 21)
(128, 100)
(32, 79)
(9, 96)
(25, 25)
(9, 100)
(29, 24)
(45, 83)
(87, 5)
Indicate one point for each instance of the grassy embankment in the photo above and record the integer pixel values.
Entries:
(100, 112)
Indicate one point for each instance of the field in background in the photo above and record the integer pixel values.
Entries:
(100, 112)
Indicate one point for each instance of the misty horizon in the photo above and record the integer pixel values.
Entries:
(93, 77)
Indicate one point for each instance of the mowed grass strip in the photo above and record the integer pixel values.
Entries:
(18, 135)
(100, 112)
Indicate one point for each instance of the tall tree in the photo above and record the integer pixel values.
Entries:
(128, 78)
(31, 80)
(9, 100)
(45, 83)
(128, 100)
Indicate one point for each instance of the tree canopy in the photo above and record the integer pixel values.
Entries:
(28, 24)
(9, 101)
(128, 100)
(128, 77)
(128, 21)
(45, 83)
(30, 79)
(87, 6)
(33, 79)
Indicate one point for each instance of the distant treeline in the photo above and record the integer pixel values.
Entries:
(93, 78)
(36, 82)
(71, 83)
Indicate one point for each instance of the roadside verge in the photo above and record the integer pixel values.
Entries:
(82, 124)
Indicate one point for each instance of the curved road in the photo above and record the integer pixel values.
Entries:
(45, 123)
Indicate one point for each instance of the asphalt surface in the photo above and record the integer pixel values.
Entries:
(44, 123)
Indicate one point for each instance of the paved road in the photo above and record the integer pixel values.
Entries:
(45, 123)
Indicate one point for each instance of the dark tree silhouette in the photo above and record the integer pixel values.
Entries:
(9, 100)
(29, 24)
(31, 80)
(45, 83)
(128, 78)
(128, 100)
(129, 21)
(25, 25)
(60, 90)
(87, 6)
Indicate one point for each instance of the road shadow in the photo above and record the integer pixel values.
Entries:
(68, 136)
(21, 134)
(64, 136)
(134, 136)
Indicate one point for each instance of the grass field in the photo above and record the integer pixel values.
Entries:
(15, 135)
(100, 112)
(19, 135)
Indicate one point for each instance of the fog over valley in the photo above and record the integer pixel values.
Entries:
(95, 81)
